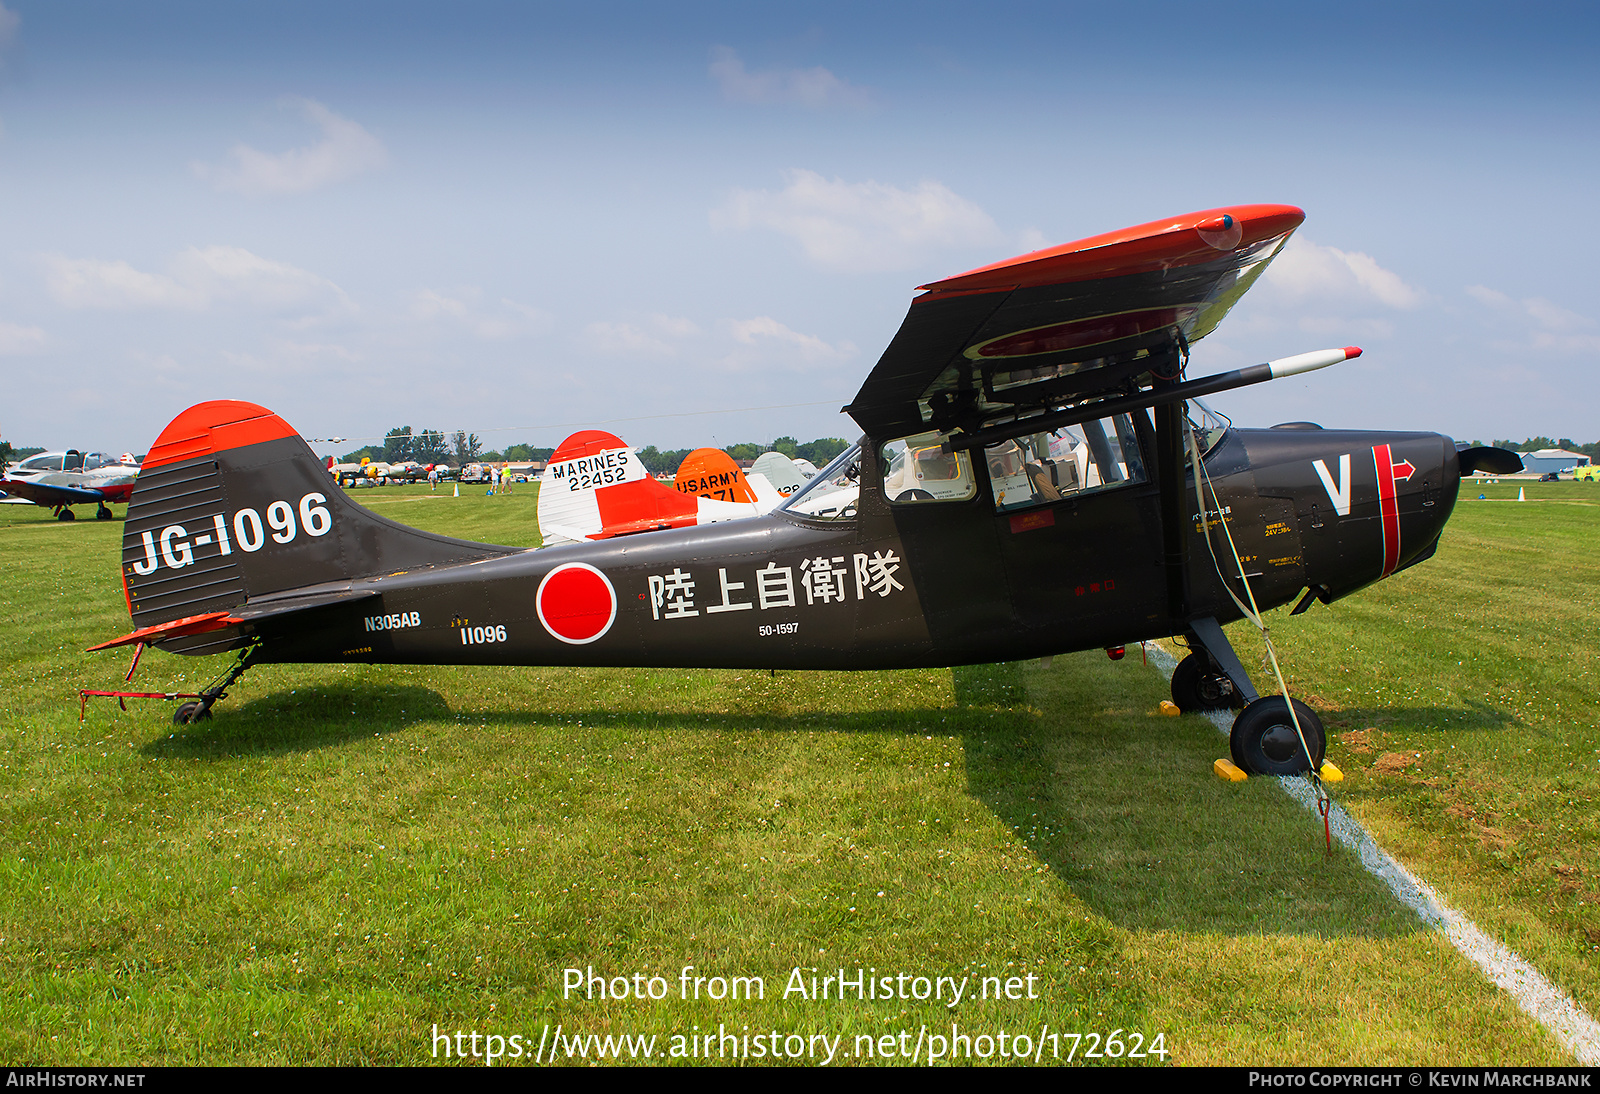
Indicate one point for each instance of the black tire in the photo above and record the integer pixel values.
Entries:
(1264, 741)
(190, 713)
(66, 514)
(102, 513)
(1196, 687)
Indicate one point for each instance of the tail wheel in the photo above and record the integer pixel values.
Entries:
(1198, 686)
(190, 713)
(1264, 741)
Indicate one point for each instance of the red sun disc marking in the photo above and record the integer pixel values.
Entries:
(576, 603)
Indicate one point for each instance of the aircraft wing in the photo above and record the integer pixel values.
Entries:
(45, 494)
(1067, 322)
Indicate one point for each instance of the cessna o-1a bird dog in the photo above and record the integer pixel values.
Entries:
(1031, 482)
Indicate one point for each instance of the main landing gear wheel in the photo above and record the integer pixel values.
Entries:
(66, 514)
(190, 713)
(1197, 686)
(1264, 742)
(102, 513)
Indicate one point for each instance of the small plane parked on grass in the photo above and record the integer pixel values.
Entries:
(1031, 482)
(60, 480)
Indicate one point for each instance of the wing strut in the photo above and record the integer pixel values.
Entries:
(1169, 417)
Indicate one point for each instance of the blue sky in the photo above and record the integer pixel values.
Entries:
(521, 219)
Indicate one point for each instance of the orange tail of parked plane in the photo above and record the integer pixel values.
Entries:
(596, 487)
(711, 473)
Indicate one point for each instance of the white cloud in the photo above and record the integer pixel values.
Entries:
(200, 276)
(732, 345)
(346, 150)
(865, 226)
(502, 320)
(235, 274)
(17, 341)
(1306, 270)
(813, 87)
(653, 337)
(1032, 239)
(1546, 326)
(100, 283)
(763, 341)
(748, 331)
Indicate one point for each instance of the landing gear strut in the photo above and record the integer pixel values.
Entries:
(190, 713)
(1263, 740)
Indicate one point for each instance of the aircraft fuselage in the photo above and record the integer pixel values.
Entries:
(908, 585)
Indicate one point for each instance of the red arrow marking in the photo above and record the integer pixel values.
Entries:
(1409, 470)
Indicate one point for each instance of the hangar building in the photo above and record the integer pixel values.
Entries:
(1546, 460)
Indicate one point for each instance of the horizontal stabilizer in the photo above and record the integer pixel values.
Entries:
(259, 611)
(177, 628)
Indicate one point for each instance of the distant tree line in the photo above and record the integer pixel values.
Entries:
(460, 448)
(1534, 444)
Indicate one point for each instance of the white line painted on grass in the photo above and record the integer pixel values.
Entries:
(1549, 1005)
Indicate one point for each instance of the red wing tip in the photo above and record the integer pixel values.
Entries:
(1352, 352)
(1156, 242)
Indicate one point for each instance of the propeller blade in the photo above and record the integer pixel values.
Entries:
(1495, 461)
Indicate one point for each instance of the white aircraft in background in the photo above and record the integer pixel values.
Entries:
(60, 480)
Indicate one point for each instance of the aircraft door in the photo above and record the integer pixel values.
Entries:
(945, 525)
(1079, 533)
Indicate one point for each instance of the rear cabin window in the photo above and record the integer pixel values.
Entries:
(1037, 468)
(917, 469)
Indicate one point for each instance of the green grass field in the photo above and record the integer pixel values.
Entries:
(348, 857)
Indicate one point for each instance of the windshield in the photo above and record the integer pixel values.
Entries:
(833, 492)
(1209, 425)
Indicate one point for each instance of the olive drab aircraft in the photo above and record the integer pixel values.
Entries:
(1035, 477)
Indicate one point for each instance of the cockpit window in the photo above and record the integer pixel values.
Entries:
(1036, 468)
(919, 469)
(49, 461)
(833, 492)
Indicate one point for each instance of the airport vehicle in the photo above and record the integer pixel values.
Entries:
(60, 480)
(1082, 505)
